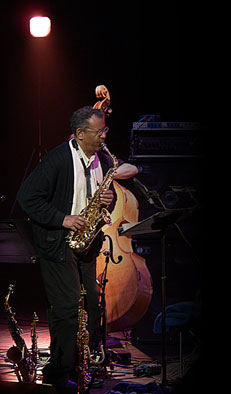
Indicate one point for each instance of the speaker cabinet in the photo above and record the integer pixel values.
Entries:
(177, 180)
(183, 279)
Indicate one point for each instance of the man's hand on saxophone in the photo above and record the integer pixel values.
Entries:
(74, 222)
(77, 222)
(106, 197)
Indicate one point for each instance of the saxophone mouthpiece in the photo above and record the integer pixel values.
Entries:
(103, 145)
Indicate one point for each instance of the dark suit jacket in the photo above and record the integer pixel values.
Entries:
(46, 197)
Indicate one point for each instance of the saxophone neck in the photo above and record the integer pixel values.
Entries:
(113, 158)
(7, 298)
(104, 147)
(33, 328)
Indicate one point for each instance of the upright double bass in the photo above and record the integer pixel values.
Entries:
(129, 288)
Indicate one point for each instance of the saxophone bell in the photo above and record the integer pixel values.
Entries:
(14, 354)
(23, 367)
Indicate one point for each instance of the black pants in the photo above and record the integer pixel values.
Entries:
(62, 287)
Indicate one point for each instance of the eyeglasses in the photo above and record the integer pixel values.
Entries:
(99, 132)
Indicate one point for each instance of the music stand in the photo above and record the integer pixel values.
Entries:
(159, 222)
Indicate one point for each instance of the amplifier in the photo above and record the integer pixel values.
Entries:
(17, 242)
(183, 280)
(165, 139)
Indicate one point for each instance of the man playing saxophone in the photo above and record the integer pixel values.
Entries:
(53, 196)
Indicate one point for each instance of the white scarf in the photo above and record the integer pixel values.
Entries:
(80, 199)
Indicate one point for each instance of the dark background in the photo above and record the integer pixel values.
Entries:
(150, 56)
(148, 53)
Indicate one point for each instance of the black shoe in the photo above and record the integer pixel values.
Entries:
(68, 387)
(73, 376)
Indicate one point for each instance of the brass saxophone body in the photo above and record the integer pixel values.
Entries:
(94, 214)
(19, 354)
(34, 343)
(82, 345)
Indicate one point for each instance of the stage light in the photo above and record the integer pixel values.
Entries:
(40, 26)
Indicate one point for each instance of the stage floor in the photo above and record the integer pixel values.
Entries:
(126, 359)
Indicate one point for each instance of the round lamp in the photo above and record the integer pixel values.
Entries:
(40, 26)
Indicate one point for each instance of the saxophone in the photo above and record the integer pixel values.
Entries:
(24, 366)
(82, 345)
(34, 343)
(94, 214)
(84, 381)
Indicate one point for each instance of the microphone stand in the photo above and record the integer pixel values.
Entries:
(108, 253)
